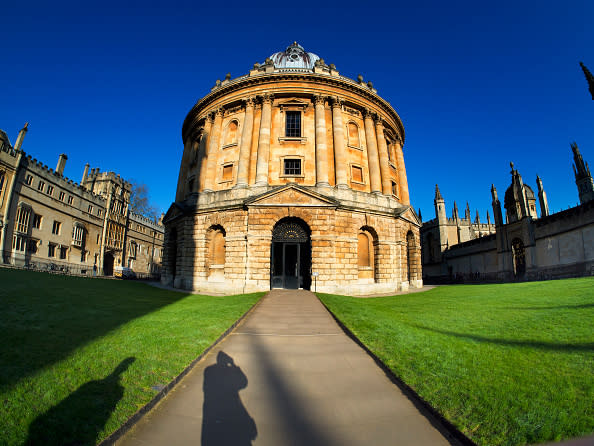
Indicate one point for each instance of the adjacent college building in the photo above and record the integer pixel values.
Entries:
(292, 176)
(519, 246)
(48, 221)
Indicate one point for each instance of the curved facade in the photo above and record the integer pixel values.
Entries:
(292, 176)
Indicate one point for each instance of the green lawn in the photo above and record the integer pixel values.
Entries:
(79, 356)
(507, 364)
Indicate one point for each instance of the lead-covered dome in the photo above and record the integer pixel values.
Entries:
(294, 56)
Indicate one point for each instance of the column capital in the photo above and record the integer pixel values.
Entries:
(249, 101)
(379, 121)
(218, 112)
(336, 102)
(369, 114)
(319, 99)
(266, 98)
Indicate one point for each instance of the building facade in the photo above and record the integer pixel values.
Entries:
(524, 246)
(292, 176)
(50, 222)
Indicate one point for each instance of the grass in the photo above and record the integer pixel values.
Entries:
(79, 356)
(508, 364)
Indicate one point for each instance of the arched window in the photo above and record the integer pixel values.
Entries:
(353, 134)
(231, 133)
(218, 249)
(519, 257)
(2, 177)
(366, 254)
(216, 253)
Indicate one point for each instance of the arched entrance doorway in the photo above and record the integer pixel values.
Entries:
(410, 251)
(108, 264)
(290, 253)
(519, 257)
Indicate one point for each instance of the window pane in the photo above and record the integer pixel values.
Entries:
(293, 124)
(292, 167)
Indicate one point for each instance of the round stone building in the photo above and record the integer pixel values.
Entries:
(292, 176)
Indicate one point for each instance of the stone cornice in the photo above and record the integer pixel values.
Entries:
(316, 80)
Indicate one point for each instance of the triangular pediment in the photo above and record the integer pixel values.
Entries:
(408, 213)
(291, 195)
(174, 211)
(293, 102)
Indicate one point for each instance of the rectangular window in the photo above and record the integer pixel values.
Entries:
(357, 174)
(83, 256)
(50, 190)
(293, 124)
(51, 250)
(37, 221)
(228, 172)
(63, 252)
(99, 212)
(394, 188)
(22, 219)
(40, 186)
(70, 199)
(90, 209)
(292, 167)
(32, 248)
(29, 180)
(56, 227)
(2, 175)
(62, 195)
(19, 243)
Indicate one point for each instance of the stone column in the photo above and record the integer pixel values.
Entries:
(404, 198)
(321, 147)
(204, 156)
(246, 145)
(264, 141)
(372, 156)
(340, 163)
(383, 157)
(213, 149)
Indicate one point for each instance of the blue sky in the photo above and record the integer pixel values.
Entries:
(476, 84)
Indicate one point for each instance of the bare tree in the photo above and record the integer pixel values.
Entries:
(139, 201)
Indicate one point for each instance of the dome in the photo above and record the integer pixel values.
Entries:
(294, 56)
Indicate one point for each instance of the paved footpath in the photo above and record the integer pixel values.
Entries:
(287, 375)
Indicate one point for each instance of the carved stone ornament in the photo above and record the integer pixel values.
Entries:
(319, 99)
(249, 102)
(336, 101)
(267, 98)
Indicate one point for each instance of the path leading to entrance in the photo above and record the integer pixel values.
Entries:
(288, 375)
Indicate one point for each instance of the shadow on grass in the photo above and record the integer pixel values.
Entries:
(45, 317)
(79, 418)
(540, 345)
(555, 307)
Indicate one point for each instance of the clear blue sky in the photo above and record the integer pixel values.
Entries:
(477, 84)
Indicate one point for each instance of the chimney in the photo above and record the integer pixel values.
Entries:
(85, 174)
(19, 141)
(61, 164)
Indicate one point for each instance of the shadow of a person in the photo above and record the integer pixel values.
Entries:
(225, 421)
(78, 419)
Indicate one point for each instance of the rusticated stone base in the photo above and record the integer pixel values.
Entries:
(333, 231)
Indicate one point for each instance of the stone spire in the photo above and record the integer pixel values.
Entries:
(477, 220)
(589, 78)
(21, 137)
(420, 216)
(439, 203)
(488, 219)
(542, 198)
(583, 177)
(455, 212)
(437, 193)
(496, 207)
(467, 212)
